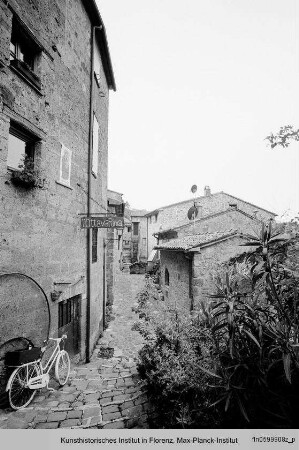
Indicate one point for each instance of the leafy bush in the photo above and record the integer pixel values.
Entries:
(235, 364)
(27, 176)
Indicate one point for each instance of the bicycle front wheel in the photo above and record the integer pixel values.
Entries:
(19, 395)
(62, 367)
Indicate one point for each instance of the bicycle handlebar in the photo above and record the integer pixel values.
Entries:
(59, 339)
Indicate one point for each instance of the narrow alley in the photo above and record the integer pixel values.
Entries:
(105, 393)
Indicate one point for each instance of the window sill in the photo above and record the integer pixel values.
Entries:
(64, 185)
(26, 74)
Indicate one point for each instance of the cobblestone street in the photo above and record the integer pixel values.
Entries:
(107, 392)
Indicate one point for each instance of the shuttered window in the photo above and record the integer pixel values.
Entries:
(95, 146)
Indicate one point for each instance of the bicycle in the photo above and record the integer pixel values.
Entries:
(27, 378)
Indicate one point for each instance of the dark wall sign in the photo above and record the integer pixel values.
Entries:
(102, 222)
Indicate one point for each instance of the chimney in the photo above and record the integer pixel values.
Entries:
(207, 191)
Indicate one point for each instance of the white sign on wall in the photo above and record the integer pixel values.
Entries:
(65, 165)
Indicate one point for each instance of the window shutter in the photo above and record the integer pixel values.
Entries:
(95, 146)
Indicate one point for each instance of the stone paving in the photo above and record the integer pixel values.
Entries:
(105, 393)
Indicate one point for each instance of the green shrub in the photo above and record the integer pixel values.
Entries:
(235, 363)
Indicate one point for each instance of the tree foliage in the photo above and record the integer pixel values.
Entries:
(284, 137)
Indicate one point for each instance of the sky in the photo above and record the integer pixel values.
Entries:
(200, 84)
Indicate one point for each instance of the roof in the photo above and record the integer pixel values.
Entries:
(101, 37)
(114, 192)
(188, 243)
(114, 198)
(138, 212)
(155, 211)
(248, 203)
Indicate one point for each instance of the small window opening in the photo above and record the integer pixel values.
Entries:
(135, 228)
(166, 277)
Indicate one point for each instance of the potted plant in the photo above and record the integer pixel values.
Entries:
(27, 176)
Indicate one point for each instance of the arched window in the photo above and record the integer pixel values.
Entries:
(166, 277)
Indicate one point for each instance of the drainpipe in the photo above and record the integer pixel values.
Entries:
(88, 239)
(147, 238)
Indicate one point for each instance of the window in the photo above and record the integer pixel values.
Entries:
(135, 228)
(21, 52)
(166, 277)
(95, 146)
(24, 51)
(20, 144)
(64, 313)
(65, 166)
(94, 247)
(129, 229)
(120, 210)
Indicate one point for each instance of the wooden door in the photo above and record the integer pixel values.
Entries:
(69, 323)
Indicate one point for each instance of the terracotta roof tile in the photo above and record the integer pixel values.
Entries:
(188, 242)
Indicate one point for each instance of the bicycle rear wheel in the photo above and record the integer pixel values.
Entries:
(62, 367)
(19, 395)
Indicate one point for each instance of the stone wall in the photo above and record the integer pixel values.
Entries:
(224, 221)
(40, 229)
(208, 262)
(139, 242)
(175, 215)
(205, 264)
(142, 251)
(177, 293)
(114, 248)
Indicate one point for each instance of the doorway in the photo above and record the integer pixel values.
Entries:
(69, 323)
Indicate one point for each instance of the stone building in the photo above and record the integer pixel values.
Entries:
(188, 264)
(114, 244)
(190, 253)
(138, 235)
(175, 215)
(55, 77)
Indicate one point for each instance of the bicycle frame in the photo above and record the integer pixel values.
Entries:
(52, 359)
(43, 379)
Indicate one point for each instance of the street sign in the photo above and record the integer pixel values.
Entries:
(102, 222)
